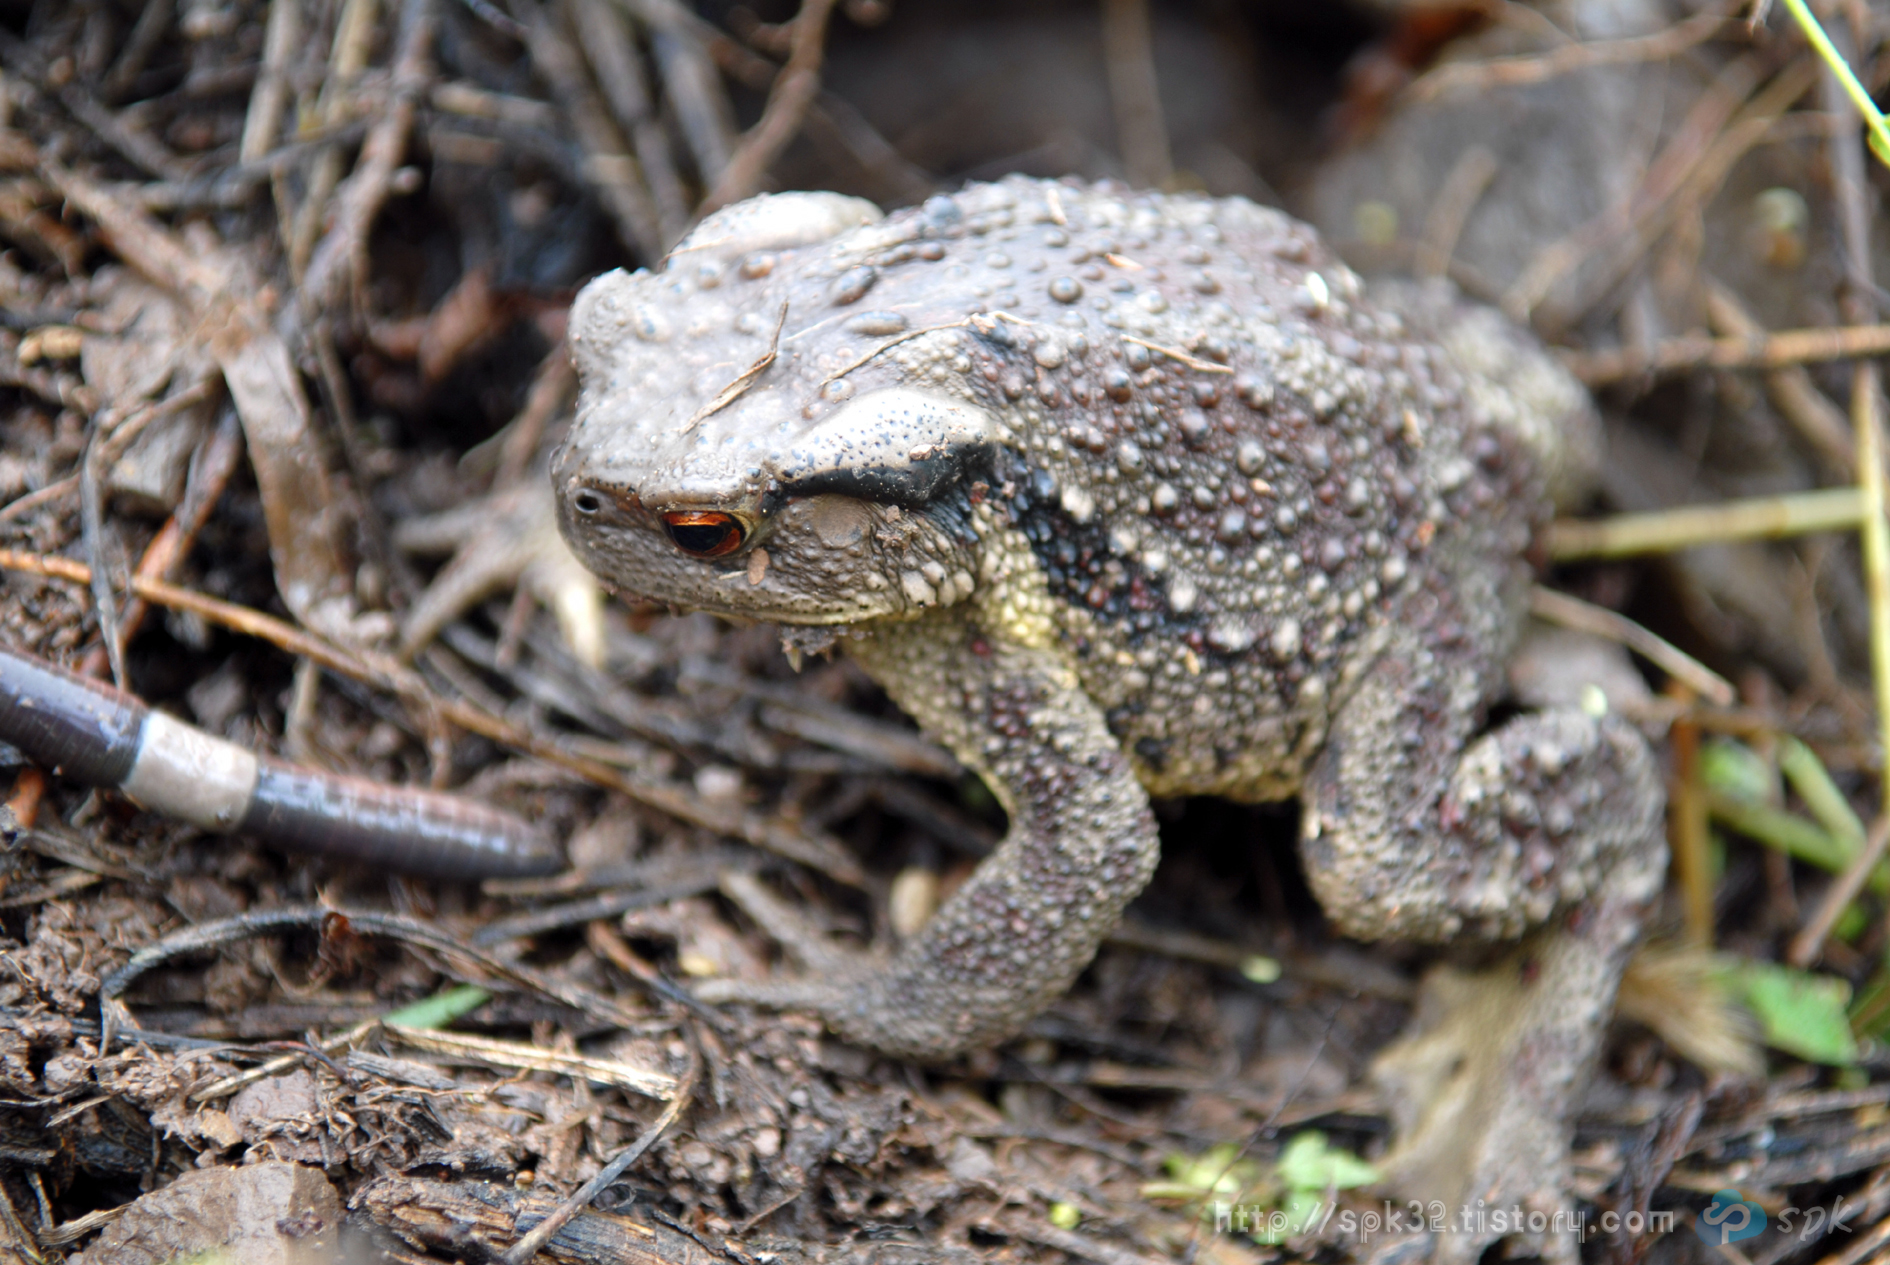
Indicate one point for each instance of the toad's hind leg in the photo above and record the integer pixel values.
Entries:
(1547, 829)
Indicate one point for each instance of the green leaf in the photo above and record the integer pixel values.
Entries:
(440, 1009)
(1735, 770)
(1217, 1172)
(1799, 1013)
(1308, 1163)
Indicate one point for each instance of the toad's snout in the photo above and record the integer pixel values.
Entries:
(695, 527)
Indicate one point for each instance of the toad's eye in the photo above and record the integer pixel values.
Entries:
(704, 533)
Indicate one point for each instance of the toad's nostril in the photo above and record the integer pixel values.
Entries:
(704, 533)
(586, 503)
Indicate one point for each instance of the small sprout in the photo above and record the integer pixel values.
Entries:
(1798, 1012)
(1779, 220)
(1736, 770)
(1260, 969)
(440, 1009)
(1064, 1216)
(1294, 1197)
(1375, 222)
(1310, 1163)
(1217, 1172)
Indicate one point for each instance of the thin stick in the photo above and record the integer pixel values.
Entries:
(1818, 421)
(607, 45)
(1541, 67)
(281, 1063)
(1572, 612)
(1768, 351)
(1687, 822)
(680, 42)
(609, 166)
(347, 58)
(145, 36)
(271, 92)
(1462, 189)
(1856, 205)
(489, 1052)
(1809, 941)
(542, 1233)
(1664, 531)
(1135, 93)
(794, 90)
(33, 500)
(361, 197)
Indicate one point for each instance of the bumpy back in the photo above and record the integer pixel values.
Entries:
(1510, 378)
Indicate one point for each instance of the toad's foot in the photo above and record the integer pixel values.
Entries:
(1481, 1083)
(507, 538)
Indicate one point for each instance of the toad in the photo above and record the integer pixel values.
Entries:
(1126, 496)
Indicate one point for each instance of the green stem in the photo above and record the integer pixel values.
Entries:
(1873, 117)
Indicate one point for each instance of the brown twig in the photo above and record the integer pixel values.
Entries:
(550, 390)
(1684, 526)
(1513, 72)
(347, 60)
(281, 38)
(1809, 942)
(210, 472)
(1818, 421)
(1687, 818)
(299, 503)
(528, 1246)
(53, 491)
(1469, 177)
(609, 166)
(1572, 612)
(794, 90)
(1763, 351)
(1695, 161)
(146, 34)
(1135, 93)
(608, 47)
(681, 42)
(739, 385)
(362, 195)
(333, 922)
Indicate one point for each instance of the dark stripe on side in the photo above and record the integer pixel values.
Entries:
(84, 730)
(397, 828)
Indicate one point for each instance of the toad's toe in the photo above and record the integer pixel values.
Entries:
(507, 538)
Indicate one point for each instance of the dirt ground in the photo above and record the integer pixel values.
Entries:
(282, 304)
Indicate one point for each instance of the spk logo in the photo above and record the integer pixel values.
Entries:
(1729, 1219)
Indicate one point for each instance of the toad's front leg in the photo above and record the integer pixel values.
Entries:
(1082, 843)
